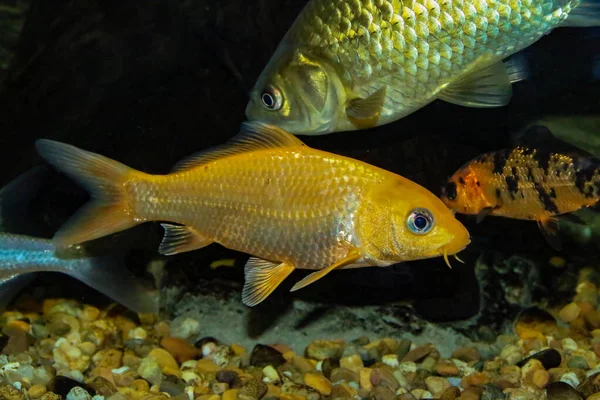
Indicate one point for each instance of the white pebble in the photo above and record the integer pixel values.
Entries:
(11, 367)
(17, 385)
(208, 349)
(189, 364)
(391, 360)
(407, 366)
(354, 385)
(270, 374)
(189, 390)
(138, 333)
(121, 370)
(75, 374)
(185, 328)
(592, 372)
(320, 366)
(570, 378)
(401, 391)
(98, 397)
(189, 377)
(569, 344)
(78, 393)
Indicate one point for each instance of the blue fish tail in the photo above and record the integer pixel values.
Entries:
(104, 178)
(585, 14)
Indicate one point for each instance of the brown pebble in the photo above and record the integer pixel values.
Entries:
(102, 386)
(179, 348)
(384, 377)
(322, 349)
(9, 392)
(318, 382)
(343, 374)
(466, 354)
(477, 379)
(382, 393)
(417, 353)
(446, 368)
(472, 393)
(252, 390)
(51, 396)
(450, 393)
(303, 364)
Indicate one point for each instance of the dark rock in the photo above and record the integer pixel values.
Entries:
(550, 358)
(491, 392)
(265, 355)
(562, 391)
(229, 377)
(329, 364)
(361, 341)
(62, 385)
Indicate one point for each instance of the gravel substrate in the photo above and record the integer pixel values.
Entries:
(64, 349)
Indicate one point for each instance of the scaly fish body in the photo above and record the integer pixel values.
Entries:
(351, 64)
(269, 195)
(525, 183)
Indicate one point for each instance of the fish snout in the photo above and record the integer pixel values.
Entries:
(461, 239)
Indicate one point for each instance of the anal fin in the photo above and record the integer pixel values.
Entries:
(180, 238)
(315, 276)
(261, 278)
(364, 113)
(549, 228)
(482, 88)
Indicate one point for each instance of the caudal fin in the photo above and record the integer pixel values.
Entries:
(585, 14)
(108, 211)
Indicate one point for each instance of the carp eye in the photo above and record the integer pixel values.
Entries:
(272, 98)
(420, 221)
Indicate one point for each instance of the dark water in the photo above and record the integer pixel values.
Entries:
(149, 82)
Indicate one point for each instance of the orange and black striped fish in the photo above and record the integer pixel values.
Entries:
(528, 182)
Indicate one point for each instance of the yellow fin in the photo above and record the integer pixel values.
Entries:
(261, 278)
(364, 113)
(315, 276)
(483, 88)
(549, 228)
(103, 178)
(180, 238)
(253, 136)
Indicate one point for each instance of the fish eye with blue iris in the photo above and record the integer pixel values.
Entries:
(355, 191)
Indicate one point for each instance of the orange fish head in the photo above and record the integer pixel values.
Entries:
(423, 227)
(465, 193)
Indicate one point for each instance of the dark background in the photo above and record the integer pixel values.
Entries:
(148, 82)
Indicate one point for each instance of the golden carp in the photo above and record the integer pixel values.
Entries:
(527, 182)
(267, 194)
(353, 64)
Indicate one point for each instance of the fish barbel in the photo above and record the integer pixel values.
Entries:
(526, 182)
(353, 64)
(267, 194)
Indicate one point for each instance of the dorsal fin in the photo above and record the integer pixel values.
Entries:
(253, 136)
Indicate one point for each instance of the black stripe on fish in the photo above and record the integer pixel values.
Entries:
(498, 194)
(546, 200)
(527, 151)
(512, 185)
(553, 193)
(499, 161)
(530, 176)
(543, 159)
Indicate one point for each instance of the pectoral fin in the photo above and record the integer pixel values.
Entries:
(179, 239)
(364, 113)
(483, 88)
(483, 213)
(261, 278)
(315, 276)
(549, 228)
